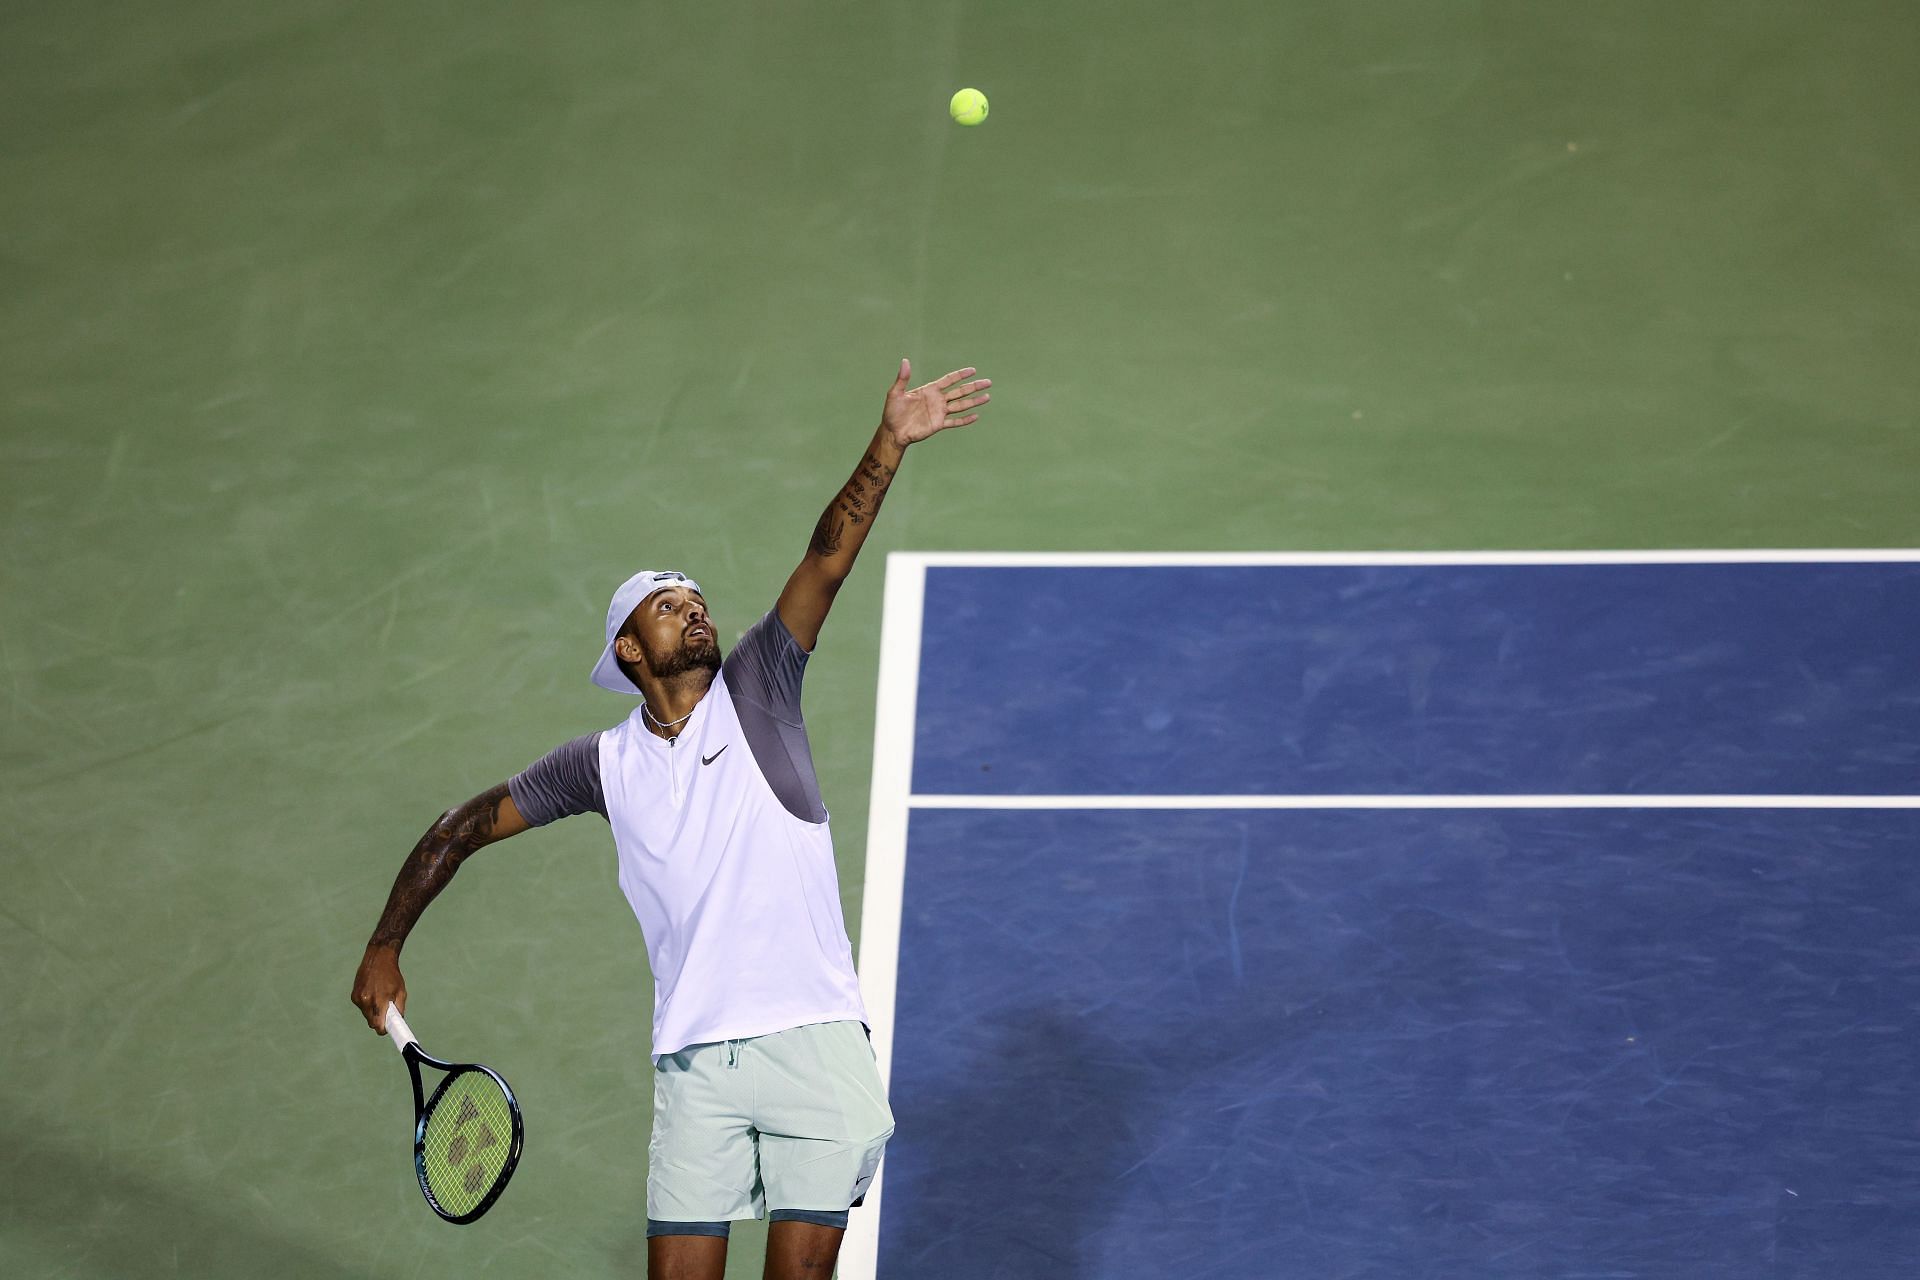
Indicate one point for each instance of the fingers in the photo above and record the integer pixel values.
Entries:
(377, 983)
(906, 371)
(954, 377)
(960, 399)
(957, 405)
(397, 1001)
(936, 406)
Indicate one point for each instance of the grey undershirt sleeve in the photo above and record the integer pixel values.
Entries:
(561, 783)
(763, 676)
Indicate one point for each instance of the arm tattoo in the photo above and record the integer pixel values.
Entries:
(434, 860)
(826, 534)
(857, 503)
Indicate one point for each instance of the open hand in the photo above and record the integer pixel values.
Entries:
(914, 415)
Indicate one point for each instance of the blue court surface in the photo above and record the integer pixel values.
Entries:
(1349, 916)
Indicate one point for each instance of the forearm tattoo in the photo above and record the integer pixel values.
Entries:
(826, 534)
(434, 860)
(857, 503)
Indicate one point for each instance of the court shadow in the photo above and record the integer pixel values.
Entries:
(73, 1212)
(1012, 1166)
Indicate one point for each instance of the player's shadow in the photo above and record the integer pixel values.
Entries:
(1013, 1166)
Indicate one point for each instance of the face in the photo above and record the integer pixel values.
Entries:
(670, 634)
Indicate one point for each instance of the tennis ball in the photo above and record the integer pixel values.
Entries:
(969, 106)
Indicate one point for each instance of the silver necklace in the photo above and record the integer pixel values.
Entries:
(647, 711)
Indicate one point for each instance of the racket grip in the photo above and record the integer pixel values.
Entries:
(397, 1028)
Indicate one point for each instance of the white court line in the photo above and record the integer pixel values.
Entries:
(1415, 802)
(892, 798)
(886, 861)
(1212, 559)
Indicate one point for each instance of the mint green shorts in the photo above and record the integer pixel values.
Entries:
(793, 1120)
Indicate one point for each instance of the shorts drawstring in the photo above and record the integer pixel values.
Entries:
(733, 1054)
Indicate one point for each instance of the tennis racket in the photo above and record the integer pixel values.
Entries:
(466, 1137)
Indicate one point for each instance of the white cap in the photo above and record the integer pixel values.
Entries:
(606, 672)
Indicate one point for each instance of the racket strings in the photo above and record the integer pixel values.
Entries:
(468, 1138)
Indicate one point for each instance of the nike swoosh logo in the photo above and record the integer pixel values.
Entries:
(715, 756)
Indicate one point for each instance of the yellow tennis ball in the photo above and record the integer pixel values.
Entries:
(969, 106)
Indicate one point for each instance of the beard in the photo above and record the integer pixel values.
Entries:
(692, 655)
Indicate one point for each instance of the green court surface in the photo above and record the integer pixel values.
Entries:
(351, 354)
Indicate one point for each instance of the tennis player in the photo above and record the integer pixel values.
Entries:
(767, 1100)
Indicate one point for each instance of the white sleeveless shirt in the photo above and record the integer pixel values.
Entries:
(738, 898)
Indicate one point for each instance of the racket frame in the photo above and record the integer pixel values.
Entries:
(416, 1057)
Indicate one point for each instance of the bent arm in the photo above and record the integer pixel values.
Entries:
(488, 817)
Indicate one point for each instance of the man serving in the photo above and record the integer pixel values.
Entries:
(767, 1099)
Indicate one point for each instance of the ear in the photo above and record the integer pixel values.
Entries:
(627, 649)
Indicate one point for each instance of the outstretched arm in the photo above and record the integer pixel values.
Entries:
(488, 817)
(909, 417)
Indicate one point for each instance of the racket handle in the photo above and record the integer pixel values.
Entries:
(397, 1028)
